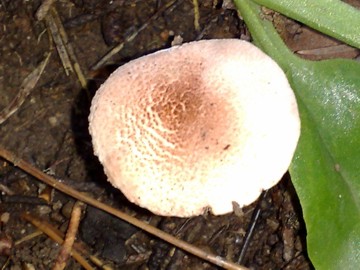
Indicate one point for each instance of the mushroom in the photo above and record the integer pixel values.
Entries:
(195, 127)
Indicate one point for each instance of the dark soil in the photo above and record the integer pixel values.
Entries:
(49, 130)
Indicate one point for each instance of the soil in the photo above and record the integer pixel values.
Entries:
(49, 130)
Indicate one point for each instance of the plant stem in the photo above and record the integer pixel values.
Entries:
(265, 36)
(332, 17)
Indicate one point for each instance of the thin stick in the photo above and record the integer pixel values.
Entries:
(66, 248)
(43, 9)
(25, 89)
(250, 230)
(196, 15)
(325, 51)
(27, 167)
(29, 237)
(69, 48)
(63, 46)
(59, 44)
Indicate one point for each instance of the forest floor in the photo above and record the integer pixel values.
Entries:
(48, 128)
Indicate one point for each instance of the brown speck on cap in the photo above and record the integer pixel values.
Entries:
(197, 126)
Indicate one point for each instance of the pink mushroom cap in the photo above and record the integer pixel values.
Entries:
(195, 127)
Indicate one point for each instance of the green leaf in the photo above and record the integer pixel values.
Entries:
(332, 17)
(325, 169)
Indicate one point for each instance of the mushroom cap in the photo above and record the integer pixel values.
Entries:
(195, 127)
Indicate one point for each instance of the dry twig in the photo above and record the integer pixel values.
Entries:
(29, 237)
(25, 89)
(66, 248)
(250, 231)
(63, 46)
(196, 15)
(59, 43)
(330, 50)
(43, 9)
